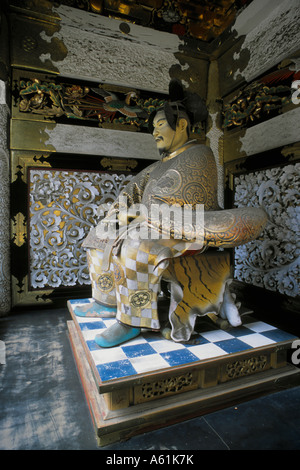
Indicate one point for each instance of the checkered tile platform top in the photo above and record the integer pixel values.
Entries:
(151, 352)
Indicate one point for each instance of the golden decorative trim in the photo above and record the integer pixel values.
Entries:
(232, 169)
(291, 152)
(163, 387)
(168, 386)
(41, 9)
(31, 135)
(23, 296)
(179, 151)
(18, 229)
(246, 367)
(117, 164)
(22, 160)
(28, 45)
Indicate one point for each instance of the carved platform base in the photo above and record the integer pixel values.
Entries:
(151, 382)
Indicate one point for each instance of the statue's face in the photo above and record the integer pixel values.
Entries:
(167, 140)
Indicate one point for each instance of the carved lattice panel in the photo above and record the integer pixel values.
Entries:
(62, 209)
(272, 261)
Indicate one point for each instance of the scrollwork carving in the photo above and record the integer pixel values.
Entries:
(167, 386)
(272, 261)
(63, 207)
(246, 367)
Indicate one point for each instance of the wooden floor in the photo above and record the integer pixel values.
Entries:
(43, 407)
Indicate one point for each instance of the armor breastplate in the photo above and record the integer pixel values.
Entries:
(188, 178)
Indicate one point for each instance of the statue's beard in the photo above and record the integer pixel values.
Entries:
(164, 144)
(164, 147)
(161, 149)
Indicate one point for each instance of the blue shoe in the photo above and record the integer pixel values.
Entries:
(115, 335)
(94, 309)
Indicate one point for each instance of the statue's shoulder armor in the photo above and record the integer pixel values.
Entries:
(200, 151)
(197, 158)
(144, 174)
(197, 172)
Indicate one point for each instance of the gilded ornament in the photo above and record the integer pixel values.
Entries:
(105, 283)
(254, 102)
(123, 109)
(246, 366)
(29, 43)
(168, 386)
(140, 298)
(19, 229)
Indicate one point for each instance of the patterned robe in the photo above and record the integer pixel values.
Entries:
(127, 271)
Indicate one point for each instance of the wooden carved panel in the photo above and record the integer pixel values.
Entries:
(63, 207)
(52, 210)
(272, 261)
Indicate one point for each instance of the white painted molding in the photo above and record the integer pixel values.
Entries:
(277, 132)
(93, 141)
(2, 92)
(254, 14)
(103, 26)
(272, 35)
(83, 140)
(101, 52)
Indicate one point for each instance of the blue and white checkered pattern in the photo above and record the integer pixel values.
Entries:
(151, 352)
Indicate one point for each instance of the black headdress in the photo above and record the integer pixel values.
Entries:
(180, 101)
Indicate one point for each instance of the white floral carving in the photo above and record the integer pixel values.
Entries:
(272, 261)
(63, 207)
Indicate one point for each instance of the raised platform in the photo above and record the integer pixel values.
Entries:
(150, 382)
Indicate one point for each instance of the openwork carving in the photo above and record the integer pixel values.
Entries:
(272, 261)
(167, 386)
(63, 207)
(246, 366)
